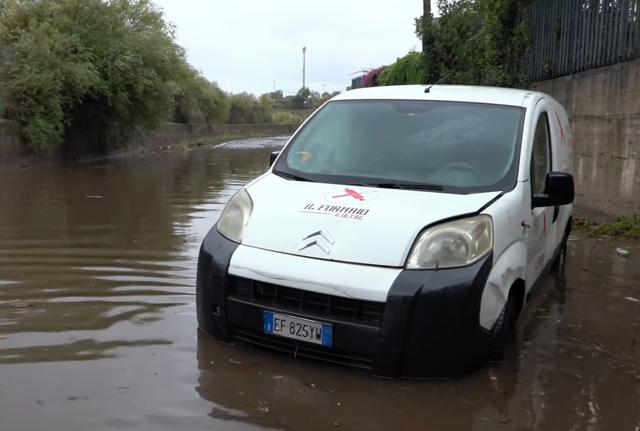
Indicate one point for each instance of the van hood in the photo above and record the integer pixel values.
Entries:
(364, 225)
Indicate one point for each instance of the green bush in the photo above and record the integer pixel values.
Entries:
(287, 117)
(409, 69)
(246, 108)
(505, 41)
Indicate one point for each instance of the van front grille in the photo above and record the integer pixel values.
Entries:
(272, 295)
(303, 349)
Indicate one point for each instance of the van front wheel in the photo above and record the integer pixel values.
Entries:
(503, 331)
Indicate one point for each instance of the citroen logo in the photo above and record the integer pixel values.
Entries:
(321, 239)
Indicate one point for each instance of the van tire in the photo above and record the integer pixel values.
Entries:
(559, 261)
(502, 331)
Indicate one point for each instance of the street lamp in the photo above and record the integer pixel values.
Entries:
(304, 54)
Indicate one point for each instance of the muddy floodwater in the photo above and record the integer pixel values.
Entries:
(98, 321)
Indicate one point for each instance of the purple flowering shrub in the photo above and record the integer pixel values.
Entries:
(370, 79)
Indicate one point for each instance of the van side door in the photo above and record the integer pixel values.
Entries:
(540, 224)
(561, 162)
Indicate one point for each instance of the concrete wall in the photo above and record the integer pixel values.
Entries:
(10, 147)
(604, 108)
(180, 134)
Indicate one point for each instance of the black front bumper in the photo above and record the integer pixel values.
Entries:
(428, 327)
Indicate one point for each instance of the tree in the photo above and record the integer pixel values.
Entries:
(457, 48)
(3, 61)
(425, 30)
(506, 41)
(276, 95)
(246, 108)
(301, 99)
(79, 67)
(475, 42)
(198, 100)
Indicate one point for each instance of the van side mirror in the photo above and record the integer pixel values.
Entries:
(558, 190)
(273, 156)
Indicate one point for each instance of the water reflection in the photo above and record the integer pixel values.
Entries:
(87, 247)
(245, 384)
(552, 378)
(81, 350)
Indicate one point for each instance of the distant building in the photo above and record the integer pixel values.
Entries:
(356, 82)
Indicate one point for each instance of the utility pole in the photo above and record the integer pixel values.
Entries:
(304, 66)
(427, 43)
(426, 15)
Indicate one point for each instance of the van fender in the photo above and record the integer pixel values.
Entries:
(507, 268)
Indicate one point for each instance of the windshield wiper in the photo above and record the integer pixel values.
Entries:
(289, 176)
(407, 186)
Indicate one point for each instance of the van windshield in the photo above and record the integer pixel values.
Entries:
(451, 146)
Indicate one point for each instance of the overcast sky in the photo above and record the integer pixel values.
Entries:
(245, 45)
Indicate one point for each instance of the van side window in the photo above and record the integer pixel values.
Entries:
(540, 160)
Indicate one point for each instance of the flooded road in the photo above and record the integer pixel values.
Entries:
(98, 322)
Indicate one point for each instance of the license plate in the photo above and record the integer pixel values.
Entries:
(298, 329)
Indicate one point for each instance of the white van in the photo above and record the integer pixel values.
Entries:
(400, 230)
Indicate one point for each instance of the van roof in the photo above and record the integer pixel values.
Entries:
(451, 93)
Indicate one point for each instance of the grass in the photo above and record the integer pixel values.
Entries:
(285, 117)
(290, 116)
(623, 227)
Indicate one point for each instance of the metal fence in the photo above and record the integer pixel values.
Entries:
(570, 36)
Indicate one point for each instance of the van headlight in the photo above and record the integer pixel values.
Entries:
(456, 243)
(234, 220)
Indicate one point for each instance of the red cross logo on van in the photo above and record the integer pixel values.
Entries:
(350, 192)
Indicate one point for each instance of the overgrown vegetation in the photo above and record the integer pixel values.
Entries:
(473, 42)
(628, 227)
(81, 74)
(80, 64)
(409, 69)
(246, 108)
(476, 42)
(289, 117)
(505, 43)
(198, 100)
(372, 77)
